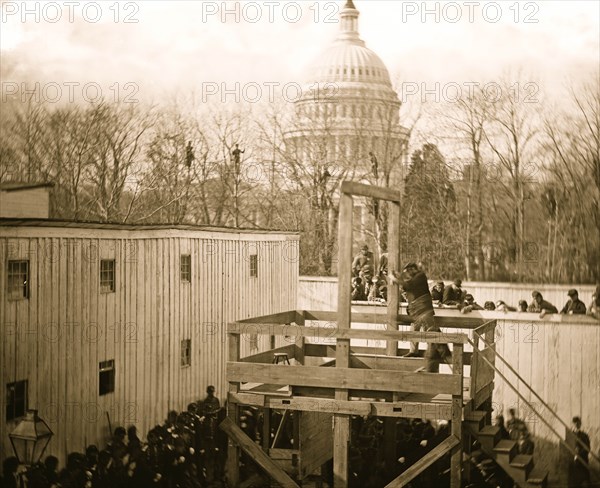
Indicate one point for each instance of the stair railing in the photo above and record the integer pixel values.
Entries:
(516, 390)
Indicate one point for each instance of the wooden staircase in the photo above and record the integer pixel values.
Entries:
(519, 467)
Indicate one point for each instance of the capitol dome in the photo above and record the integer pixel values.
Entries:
(350, 63)
(348, 59)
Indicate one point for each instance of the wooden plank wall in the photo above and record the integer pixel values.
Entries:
(57, 337)
(561, 362)
(320, 293)
(316, 441)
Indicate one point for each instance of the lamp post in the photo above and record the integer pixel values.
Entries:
(29, 439)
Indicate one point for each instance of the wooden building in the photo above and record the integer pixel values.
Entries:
(124, 322)
(25, 200)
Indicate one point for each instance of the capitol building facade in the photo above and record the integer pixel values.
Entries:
(347, 122)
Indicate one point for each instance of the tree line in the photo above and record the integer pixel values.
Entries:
(495, 188)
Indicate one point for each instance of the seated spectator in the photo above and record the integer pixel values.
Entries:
(366, 273)
(574, 305)
(437, 292)
(470, 304)
(525, 444)
(594, 309)
(10, 468)
(51, 470)
(541, 306)
(375, 290)
(489, 306)
(503, 307)
(362, 260)
(515, 425)
(453, 293)
(358, 289)
(211, 404)
(500, 424)
(579, 474)
(523, 307)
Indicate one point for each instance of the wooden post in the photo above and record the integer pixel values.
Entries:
(393, 300)
(341, 422)
(233, 451)
(266, 431)
(457, 413)
(474, 365)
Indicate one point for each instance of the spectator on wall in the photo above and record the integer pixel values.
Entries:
(437, 292)
(574, 305)
(503, 307)
(541, 306)
(453, 293)
(523, 307)
(470, 304)
(594, 309)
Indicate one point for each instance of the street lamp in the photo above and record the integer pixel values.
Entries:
(30, 438)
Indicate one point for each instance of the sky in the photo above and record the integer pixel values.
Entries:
(152, 50)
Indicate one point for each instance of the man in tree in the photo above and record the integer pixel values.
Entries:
(414, 282)
(236, 153)
(574, 305)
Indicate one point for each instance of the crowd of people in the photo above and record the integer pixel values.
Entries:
(370, 284)
(186, 451)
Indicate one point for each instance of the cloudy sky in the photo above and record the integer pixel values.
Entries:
(176, 46)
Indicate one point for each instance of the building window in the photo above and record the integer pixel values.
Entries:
(107, 275)
(18, 280)
(185, 266)
(186, 352)
(254, 265)
(106, 377)
(16, 400)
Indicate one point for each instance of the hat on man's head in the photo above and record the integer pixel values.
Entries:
(458, 282)
(572, 292)
(412, 264)
(439, 283)
(468, 296)
(364, 246)
(535, 293)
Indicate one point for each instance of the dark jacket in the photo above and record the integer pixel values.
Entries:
(544, 305)
(452, 295)
(583, 451)
(417, 293)
(437, 295)
(575, 306)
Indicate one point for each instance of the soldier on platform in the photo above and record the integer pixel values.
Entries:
(414, 283)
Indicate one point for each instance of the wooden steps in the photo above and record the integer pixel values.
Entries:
(519, 467)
